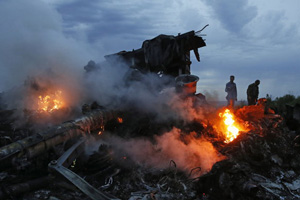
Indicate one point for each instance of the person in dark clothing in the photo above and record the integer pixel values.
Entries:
(252, 92)
(231, 92)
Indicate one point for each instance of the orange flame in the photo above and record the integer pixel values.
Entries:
(231, 130)
(120, 120)
(50, 102)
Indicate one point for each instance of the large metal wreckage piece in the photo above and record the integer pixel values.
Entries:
(14, 154)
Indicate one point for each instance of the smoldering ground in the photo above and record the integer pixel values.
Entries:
(187, 154)
(117, 87)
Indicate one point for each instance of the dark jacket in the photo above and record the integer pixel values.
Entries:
(252, 91)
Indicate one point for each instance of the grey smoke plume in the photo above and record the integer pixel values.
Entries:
(116, 86)
(194, 152)
(35, 54)
(40, 51)
(33, 45)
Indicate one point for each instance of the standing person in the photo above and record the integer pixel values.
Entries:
(252, 92)
(231, 92)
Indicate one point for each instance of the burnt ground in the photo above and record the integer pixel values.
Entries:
(263, 163)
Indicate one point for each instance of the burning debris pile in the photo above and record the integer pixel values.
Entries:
(50, 102)
(262, 163)
(184, 161)
(144, 134)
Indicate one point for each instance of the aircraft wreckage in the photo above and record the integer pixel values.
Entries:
(181, 148)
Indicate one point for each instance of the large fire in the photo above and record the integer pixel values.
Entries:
(50, 102)
(231, 129)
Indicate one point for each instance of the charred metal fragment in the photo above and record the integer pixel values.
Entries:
(165, 53)
(60, 166)
(15, 190)
(35, 145)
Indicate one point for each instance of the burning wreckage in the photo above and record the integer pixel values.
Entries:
(180, 148)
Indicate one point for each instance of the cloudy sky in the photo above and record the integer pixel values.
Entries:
(255, 39)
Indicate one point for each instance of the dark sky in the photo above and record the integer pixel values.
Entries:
(249, 39)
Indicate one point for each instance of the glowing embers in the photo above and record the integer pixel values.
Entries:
(50, 102)
(120, 120)
(231, 129)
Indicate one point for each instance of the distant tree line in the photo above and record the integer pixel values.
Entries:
(279, 104)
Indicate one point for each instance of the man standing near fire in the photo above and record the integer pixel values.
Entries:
(252, 92)
(231, 92)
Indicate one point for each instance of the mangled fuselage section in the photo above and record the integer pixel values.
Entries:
(166, 54)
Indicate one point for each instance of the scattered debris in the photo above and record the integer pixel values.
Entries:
(77, 160)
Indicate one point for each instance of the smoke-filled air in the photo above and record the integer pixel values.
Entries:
(39, 64)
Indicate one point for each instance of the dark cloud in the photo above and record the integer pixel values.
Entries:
(233, 15)
(275, 29)
(135, 20)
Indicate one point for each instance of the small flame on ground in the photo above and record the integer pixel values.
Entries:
(101, 130)
(120, 120)
(232, 131)
(51, 102)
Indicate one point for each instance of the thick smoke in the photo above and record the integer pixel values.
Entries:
(33, 46)
(188, 152)
(118, 87)
(115, 86)
(35, 56)
(39, 55)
